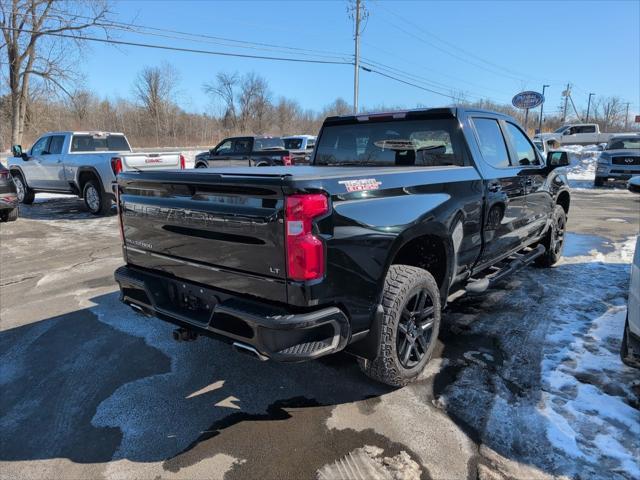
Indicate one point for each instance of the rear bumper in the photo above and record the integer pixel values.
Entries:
(273, 331)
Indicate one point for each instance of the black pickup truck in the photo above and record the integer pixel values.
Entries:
(398, 214)
(248, 152)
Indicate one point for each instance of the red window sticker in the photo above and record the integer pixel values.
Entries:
(360, 185)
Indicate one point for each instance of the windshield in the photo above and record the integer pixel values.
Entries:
(293, 143)
(428, 142)
(268, 143)
(99, 143)
(560, 130)
(624, 144)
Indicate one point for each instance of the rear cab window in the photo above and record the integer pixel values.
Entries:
(293, 143)
(99, 143)
(420, 142)
(275, 143)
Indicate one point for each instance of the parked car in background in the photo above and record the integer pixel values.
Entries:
(630, 348)
(577, 134)
(247, 152)
(8, 197)
(633, 185)
(83, 164)
(359, 251)
(300, 144)
(620, 159)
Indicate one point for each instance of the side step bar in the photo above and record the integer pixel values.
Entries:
(515, 263)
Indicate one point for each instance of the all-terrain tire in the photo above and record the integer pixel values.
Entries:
(10, 215)
(401, 285)
(554, 239)
(24, 193)
(95, 199)
(598, 182)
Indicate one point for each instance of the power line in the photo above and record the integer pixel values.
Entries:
(506, 72)
(180, 49)
(213, 39)
(371, 70)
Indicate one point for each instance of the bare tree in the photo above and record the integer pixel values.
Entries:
(31, 32)
(155, 89)
(224, 88)
(609, 113)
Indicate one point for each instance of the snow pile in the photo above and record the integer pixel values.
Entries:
(587, 399)
(582, 161)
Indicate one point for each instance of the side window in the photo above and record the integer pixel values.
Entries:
(520, 143)
(55, 147)
(242, 146)
(225, 148)
(588, 129)
(492, 145)
(40, 146)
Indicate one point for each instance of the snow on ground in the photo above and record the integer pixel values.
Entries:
(541, 381)
(582, 160)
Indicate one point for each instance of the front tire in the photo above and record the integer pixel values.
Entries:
(410, 326)
(25, 195)
(599, 182)
(96, 201)
(554, 239)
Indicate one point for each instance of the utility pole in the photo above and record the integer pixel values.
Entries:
(356, 64)
(566, 94)
(626, 117)
(544, 87)
(588, 106)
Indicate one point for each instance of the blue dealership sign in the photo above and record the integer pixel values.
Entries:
(527, 100)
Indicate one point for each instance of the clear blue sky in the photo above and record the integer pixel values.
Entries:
(495, 49)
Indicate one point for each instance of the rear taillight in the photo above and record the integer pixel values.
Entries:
(5, 175)
(116, 165)
(182, 162)
(287, 160)
(305, 252)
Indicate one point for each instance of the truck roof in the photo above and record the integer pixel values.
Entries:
(288, 137)
(452, 111)
(85, 132)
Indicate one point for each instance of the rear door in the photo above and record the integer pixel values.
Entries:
(505, 209)
(241, 152)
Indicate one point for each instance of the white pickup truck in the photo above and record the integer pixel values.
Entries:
(83, 164)
(576, 134)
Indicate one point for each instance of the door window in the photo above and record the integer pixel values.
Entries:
(225, 148)
(520, 143)
(588, 129)
(55, 147)
(491, 141)
(40, 146)
(242, 146)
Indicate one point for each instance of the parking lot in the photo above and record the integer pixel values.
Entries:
(522, 375)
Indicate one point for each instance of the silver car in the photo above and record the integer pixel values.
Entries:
(620, 160)
(630, 350)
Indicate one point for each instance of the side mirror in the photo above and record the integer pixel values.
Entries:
(16, 150)
(557, 159)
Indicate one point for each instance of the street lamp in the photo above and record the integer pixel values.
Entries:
(544, 87)
(589, 105)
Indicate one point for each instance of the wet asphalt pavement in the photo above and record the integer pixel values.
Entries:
(91, 389)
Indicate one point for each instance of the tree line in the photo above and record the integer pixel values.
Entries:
(39, 90)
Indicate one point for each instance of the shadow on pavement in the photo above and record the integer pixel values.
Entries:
(105, 383)
(67, 207)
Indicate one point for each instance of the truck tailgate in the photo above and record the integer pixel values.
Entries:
(222, 230)
(150, 161)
